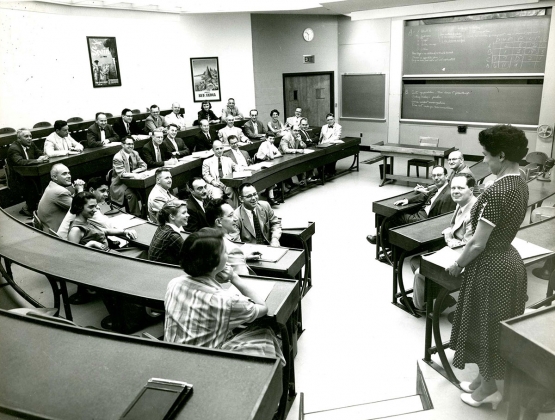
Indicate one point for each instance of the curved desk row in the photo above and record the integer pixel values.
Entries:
(66, 372)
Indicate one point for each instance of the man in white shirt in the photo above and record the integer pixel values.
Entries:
(195, 204)
(160, 193)
(59, 142)
(175, 117)
(217, 167)
(296, 119)
(253, 128)
(331, 133)
(231, 130)
(232, 110)
(240, 157)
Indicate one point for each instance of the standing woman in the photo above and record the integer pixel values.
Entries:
(494, 279)
(167, 240)
(206, 113)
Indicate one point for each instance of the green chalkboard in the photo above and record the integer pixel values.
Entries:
(512, 45)
(486, 102)
(363, 96)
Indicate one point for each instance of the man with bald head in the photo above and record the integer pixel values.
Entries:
(175, 117)
(57, 198)
(231, 130)
(457, 165)
(217, 167)
(23, 152)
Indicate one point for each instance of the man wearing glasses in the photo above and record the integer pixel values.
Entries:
(256, 221)
(240, 157)
(125, 126)
(126, 164)
(457, 165)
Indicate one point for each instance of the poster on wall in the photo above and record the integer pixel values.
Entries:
(103, 56)
(206, 79)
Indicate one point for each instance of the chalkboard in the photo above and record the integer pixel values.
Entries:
(363, 96)
(488, 103)
(512, 45)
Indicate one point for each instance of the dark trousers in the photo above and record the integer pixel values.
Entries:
(29, 190)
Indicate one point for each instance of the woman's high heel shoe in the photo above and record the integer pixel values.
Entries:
(494, 399)
(465, 386)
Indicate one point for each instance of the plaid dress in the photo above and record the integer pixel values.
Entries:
(200, 312)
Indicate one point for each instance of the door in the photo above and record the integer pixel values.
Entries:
(313, 92)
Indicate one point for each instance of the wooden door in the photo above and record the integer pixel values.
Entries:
(313, 92)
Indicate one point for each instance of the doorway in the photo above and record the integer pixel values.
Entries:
(313, 92)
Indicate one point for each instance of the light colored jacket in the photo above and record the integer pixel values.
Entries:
(329, 134)
(269, 223)
(156, 200)
(210, 168)
(55, 145)
(121, 169)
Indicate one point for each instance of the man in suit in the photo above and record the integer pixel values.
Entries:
(56, 199)
(253, 128)
(296, 119)
(126, 126)
(231, 130)
(160, 193)
(126, 164)
(175, 117)
(195, 204)
(59, 142)
(434, 200)
(291, 142)
(23, 152)
(155, 120)
(204, 139)
(331, 133)
(238, 156)
(457, 234)
(232, 110)
(215, 168)
(101, 133)
(154, 152)
(457, 165)
(256, 220)
(173, 145)
(304, 132)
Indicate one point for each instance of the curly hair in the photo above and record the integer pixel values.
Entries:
(200, 253)
(80, 201)
(507, 139)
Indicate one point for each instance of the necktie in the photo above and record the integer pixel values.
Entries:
(220, 169)
(157, 151)
(432, 195)
(260, 239)
(131, 166)
(255, 128)
(127, 127)
(25, 151)
(208, 136)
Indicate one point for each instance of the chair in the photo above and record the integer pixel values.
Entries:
(425, 163)
(74, 119)
(7, 130)
(40, 225)
(7, 170)
(136, 111)
(535, 162)
(42, 124)
(108, 115)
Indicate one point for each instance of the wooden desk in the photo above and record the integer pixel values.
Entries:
(527, 343)
(65, 372)
(391, 150)
(139, 281)
(301, 238)
(440, 282)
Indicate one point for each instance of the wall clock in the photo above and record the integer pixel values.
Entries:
(308, 34)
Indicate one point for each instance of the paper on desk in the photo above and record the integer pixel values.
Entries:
(257, 290)
(308, 151)
(242, 174)
(142, 136)
(292, 223)
(124, 221)
(269, 253)
(528, 249)
(445, 257)
(187, 158)
(203, 154)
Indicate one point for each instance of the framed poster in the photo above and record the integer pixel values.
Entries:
(206, 79)
(103, 57)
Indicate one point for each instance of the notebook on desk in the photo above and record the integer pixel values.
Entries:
(324, 145)
(269, 253)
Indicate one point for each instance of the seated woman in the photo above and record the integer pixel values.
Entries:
(206, 113)
(167, 240)
(275, 125)
(201, 312)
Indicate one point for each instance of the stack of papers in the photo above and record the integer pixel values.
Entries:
(203, 155)
(125, 221)
(242, 174)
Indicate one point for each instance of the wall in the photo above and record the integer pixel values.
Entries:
(364, 48)
(278, 47)
(45, 73)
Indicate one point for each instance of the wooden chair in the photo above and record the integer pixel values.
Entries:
(425, 163)
(40, 225)
(535, 162)
(74, 119)
(7, 130)
(42, 124)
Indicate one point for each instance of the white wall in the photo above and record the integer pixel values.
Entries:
(45, 72)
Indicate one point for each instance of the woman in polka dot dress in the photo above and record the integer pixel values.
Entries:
(493, 285)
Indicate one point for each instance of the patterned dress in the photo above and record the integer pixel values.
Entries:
(493, 286)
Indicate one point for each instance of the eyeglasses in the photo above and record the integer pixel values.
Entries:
(329, 119)
(248, 197)
(232, 144)
(129, 144)
(450, 160)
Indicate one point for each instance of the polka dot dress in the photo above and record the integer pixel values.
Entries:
(493, 286)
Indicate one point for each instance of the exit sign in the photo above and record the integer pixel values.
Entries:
(308, 59)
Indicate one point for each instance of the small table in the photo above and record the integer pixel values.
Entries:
(391, 150)
(438, 280)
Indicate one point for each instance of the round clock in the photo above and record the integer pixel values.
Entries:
(308, 34)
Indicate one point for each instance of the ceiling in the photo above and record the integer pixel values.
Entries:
(342, 7)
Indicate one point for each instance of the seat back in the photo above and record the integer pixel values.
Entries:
(8, 173)
(136, 111)
(7, 130)
(37, 224)
(74, 119)
(429, 141)
(42, 124)
(108, 114)
(538, 158)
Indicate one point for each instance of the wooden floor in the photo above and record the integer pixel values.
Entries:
(357, 347)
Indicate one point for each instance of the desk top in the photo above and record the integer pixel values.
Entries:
(411, 149)
(66, 372)
(540, 190)
(424, 232)
(141, 280)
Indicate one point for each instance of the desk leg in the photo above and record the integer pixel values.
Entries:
(429, 310)
(8, 275)
(384, 174)
(512, 392)
(380, 244)
(398, 284)
(377, 223)
(65, 299)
